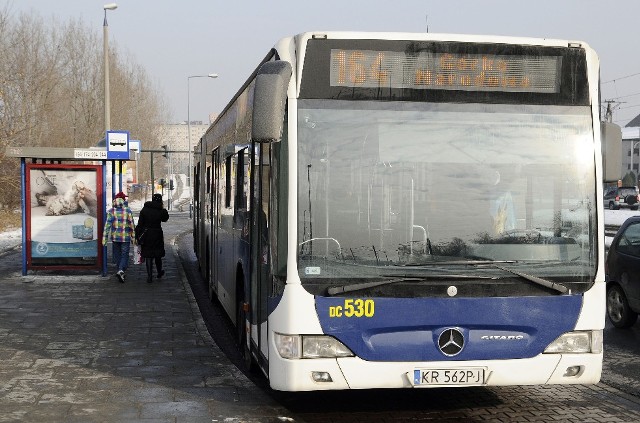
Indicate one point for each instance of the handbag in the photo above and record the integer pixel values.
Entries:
(137, 254)
(139, 234)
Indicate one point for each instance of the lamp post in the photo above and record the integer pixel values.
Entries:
(107, 101)
(105, 32)
(211, 75)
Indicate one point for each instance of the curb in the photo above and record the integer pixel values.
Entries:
(201, 327)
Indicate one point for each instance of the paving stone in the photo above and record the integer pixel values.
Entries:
(86, 348)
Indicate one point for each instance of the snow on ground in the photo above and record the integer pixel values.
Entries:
(10, 239)
(617, 217)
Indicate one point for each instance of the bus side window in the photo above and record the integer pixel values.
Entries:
(242, 181)
(208, 191)
(227, 184)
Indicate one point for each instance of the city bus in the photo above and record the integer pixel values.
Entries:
(396, 210)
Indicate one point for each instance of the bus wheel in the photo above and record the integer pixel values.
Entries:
(241, 336)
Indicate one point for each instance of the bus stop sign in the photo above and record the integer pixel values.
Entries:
(117, 145)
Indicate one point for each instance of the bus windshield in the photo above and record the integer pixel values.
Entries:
(402, 198)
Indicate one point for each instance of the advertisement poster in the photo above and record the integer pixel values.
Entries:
(62, 215)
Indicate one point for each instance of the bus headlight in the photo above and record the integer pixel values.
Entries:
(577, 342)
(323, 347)
(310, 346)
(288, 346)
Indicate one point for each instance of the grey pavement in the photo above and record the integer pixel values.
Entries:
(79, 347)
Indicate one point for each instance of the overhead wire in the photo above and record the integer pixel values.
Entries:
(623, 96)
(617, 97)
(620, 78)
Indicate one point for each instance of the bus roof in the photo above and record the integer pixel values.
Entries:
(428, 36)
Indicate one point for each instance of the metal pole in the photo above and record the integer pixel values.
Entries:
(190, 170)
(120, 176)
(103, 215)
(189, 135)
(107, 100)
(113, 180)
(23, 203)
(169, 175)
(107, 106)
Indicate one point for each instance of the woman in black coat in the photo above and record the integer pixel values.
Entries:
(150, 236)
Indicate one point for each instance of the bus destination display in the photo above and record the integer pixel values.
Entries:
(445, 71)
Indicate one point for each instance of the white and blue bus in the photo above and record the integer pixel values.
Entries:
(392, 210)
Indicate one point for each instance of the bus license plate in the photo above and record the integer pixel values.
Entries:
(448, 377)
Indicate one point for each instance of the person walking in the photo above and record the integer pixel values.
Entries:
(121, 227)
(150, 236)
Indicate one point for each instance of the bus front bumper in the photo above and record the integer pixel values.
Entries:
(355, 373)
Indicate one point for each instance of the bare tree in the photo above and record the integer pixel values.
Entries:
(26, 71)
(51, 91)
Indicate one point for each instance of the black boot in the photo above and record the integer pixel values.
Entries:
(149, 263)
(159, 267)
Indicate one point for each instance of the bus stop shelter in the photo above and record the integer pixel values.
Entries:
(63, 204)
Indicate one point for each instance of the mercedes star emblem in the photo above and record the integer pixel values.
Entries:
(451, 342)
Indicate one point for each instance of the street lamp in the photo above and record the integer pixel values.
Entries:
(105, 32)
(211, 75)
(107, 102)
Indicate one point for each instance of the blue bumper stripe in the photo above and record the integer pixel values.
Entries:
(407, 329)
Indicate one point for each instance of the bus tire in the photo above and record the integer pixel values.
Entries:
(241, 336)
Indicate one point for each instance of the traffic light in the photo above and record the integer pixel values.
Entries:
(162, 182)
(166, 153)
(170, 184)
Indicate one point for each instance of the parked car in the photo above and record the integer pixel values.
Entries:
(622, 272)
(626, 197)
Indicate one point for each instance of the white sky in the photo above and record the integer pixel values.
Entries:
(175, 39)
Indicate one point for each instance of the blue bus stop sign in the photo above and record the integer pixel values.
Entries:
(117, 145)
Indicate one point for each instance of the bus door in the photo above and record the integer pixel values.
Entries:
(260, 246)
(215, 221)
(197, 224)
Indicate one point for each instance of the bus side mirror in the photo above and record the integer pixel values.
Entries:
(269, 100)
(611, 137)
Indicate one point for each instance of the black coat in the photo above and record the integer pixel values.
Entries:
(149, 229)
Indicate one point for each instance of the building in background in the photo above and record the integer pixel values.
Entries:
(631, 147)
(176, 137)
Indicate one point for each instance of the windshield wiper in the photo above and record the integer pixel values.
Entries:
(334, 290)
(544, 282)
(454, 262)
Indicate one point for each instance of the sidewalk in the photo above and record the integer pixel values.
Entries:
(86, 348)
